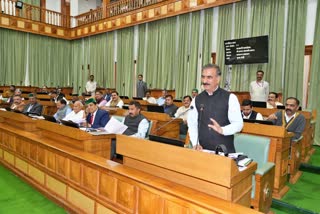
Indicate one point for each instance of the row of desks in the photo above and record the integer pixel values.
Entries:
(72, 167)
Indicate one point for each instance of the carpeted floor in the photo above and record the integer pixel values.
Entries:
(19, 197)
(305, 194)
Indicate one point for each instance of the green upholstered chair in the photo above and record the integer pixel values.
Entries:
(119, 118)
(257, 148)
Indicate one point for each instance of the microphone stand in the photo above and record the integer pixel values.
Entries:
(173, 119)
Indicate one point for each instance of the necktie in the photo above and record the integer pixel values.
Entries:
(91, 118)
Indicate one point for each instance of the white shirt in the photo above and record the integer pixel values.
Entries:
(91, 86)
(258, 117)
(120, 103)
(161, 101)
(180, 113)
(289, 118)
(150, 100)
(259, 91)
(75, 117)
(234, 116)
(142, 129)
(277, 104)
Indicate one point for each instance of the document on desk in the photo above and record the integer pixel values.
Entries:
(114, 126)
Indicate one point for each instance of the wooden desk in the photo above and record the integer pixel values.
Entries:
(76, 138)
(85, 183)
(212, 174)
(157, 92)
(278, 152)
(17, 120)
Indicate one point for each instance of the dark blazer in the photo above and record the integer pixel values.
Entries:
(36, 109)
(100, 120)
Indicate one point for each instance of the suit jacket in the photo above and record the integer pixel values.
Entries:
(100, 120)
(36, 109)
(141, 88)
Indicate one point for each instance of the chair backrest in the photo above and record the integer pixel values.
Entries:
(149, 129)
(254, 147)
(119, 118)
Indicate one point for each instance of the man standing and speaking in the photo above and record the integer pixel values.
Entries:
(141, 87)
(216, 115)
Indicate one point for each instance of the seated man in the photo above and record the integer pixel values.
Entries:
(99, 98)
(107, 96)
(248, 113)
(9, 94)
(115, 100)
(289, 118)
(96, 118)
(169, 107)
(272, 101)
(137, 124)
(194, 93)
(77, 115)
(18, 104)
(150, 99)
(63, 110)
(18, 92)
(33, 107)
(55, 97)
(161, 100)
(75, 98)
(182, 113)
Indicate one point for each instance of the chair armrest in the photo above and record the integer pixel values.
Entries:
(264, 168)
(313, 121)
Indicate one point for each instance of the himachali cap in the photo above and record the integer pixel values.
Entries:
(31, 95)
(91, 100)
(195, 90)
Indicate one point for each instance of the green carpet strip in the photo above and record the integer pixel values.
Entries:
(304, 196)
(19, 197)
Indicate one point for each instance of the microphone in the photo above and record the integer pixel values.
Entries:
(199, 122)
(173, 119)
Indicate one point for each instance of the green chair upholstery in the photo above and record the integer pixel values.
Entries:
(257, 148)
(119, 118)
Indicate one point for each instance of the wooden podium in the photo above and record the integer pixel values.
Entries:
(212, 174)
(278, 152)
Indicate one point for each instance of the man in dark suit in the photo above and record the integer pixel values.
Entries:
(33, 107)
(141, 86)
(96, 118)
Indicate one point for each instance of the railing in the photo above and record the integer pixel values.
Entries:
(39, 14)
(34, 13)
(89, 17)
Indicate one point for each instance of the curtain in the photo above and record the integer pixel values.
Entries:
(313, 96)
(13, 52)
(295, 45)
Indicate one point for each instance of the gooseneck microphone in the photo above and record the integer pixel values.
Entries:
(199, 122)
(173, 119)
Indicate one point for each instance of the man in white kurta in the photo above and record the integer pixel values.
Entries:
(259, 89)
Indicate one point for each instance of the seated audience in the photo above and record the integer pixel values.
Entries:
(137, 124)
(272, 101)
(63, 110)
(18, 104)
(150, 99)
(161, 100)
(99, 98)
(77, 115)
(182, 113)
(115, 100)
(290, 118)
(96, 118)
(75, 98)
(9, 94)
(194, 93)
(18, 92)
(44, 89)
(33, 107)
(169, 107)
(248, 113)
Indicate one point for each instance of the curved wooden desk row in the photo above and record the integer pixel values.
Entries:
(87, 183)
(308, 134)
(34, 89)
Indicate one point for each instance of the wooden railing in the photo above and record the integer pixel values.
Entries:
(34, 13)
(85, 18)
